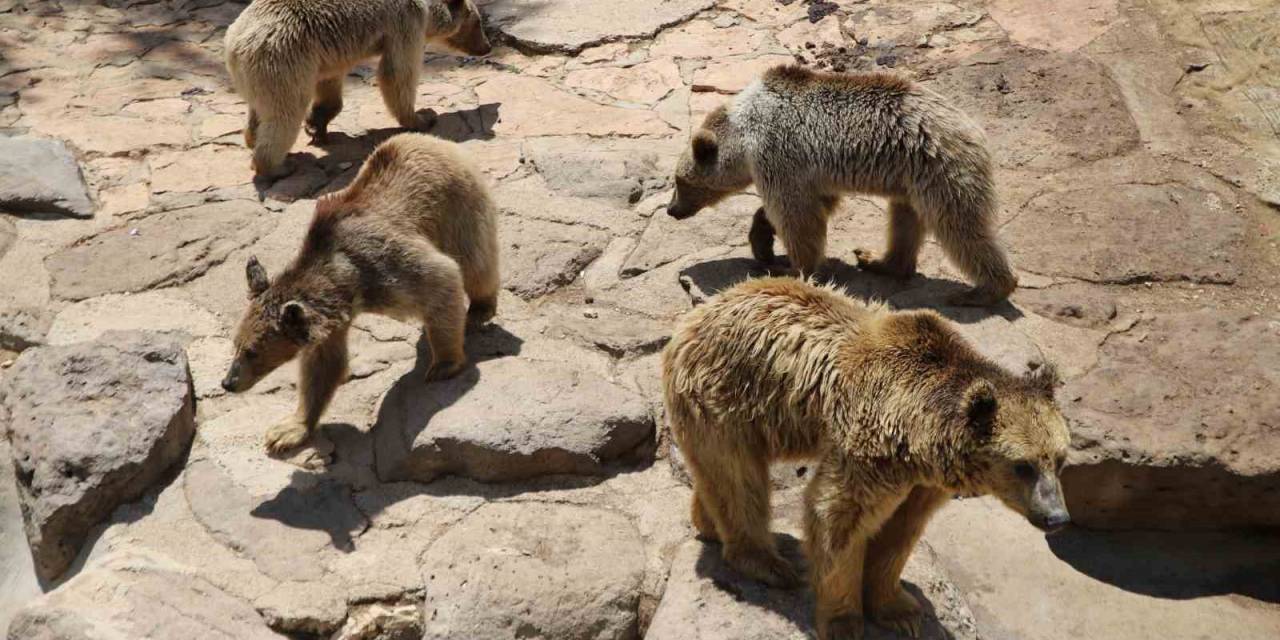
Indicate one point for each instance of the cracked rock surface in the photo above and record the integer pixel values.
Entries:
(538, 495)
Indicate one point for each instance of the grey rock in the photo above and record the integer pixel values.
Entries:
(569, 26)
(534, 570)
(1176, 426)
(509, 418)
(540, 256)
(93, 426)
(23, 328)
(135, 595)
(163, 249)
(620, 171)
(42, 177)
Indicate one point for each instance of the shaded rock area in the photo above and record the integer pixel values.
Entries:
(538, 494)
(1152, 453)
(706, 599)
(92, 426)
(40, 176)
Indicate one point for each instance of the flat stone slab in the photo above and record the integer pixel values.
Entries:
(534, 570)
(1131, 221)
(707, 600)
(93, 425)
(164, 249)
(137, 595)
(42, 177)
(1178, 427)
(509, 418)
(1041, 110)
(569, 26)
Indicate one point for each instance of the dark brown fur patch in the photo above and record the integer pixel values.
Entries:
(716, 117)
(795, 77)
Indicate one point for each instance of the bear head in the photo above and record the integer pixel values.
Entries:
(713, 167)
(458, 24)
(278, 324)
(1023, 440)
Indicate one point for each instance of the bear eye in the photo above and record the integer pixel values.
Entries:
(250, 354)
(1025, 470)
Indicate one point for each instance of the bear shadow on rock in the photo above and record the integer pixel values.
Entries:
(314, 175)
(796, 605)
(325, 506)
(1176, 565)
(704, 280)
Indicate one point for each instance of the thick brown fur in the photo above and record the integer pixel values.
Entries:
(804, 138)
(898, 409)
(413, 237)
(286, 54)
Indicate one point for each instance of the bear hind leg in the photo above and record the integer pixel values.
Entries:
(970, 243)
(906, 236)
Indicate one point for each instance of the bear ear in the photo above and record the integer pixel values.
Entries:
(257, 277)
(1043, 378)
(979, 405)
(705, 147)
(295, 321)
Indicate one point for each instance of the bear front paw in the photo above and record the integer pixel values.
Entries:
(286, 436)
(900, 614)
(845, 627)
(767, 566)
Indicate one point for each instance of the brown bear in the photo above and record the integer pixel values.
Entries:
(414, 237)
(898, 409)
(804, 137)
(286, 54)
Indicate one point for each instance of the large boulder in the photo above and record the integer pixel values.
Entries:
(534, 570)
(707, 600)
(548, 410)
(92, 426)
(41, 177)
(131, 595)
(1178, 427)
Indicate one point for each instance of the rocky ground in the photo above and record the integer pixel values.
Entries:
(536, 496)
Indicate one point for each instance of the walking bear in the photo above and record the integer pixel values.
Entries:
(804, 137)
(286, 54)
(901, 413)
(414, 237)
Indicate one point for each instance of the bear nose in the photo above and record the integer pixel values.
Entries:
(229, 383)
(1056, 520)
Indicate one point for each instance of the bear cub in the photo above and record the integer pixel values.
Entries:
(414, 237)
(284, 55)
(804, 138)
(899, 411)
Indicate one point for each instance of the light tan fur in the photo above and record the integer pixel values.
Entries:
(413, 237)
(804, 138)
(286, 54)
(899, 411)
